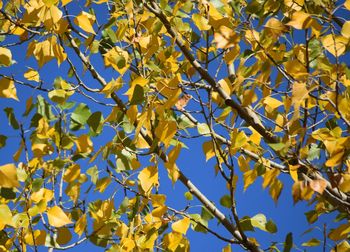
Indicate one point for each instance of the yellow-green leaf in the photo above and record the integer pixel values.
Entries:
(201, 22)
(57, 218)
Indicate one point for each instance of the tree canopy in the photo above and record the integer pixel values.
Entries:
(102, 97)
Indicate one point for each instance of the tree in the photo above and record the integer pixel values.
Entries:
(110, 93)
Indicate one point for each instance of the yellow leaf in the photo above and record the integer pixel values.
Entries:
(201, 22)
(344, 246)
(275, 189)
(85, 21)
(208, 150)
(294, 4)
(269, 176)
(225, 37)
(275, 26)
(100, 1)
(5, 216)
(232, 54)
(57, 218)
(84, 144)
(32, 75)
(300, 20)
(5, 56)
(117, 58)
(227, 248)
(340, 232)
(127, 244)
(148, 178)
(72, 173)
(345, 31)
(8, 176)
(299, 93)
(42, 194)
(39, 237)
(165, 131)
(272, 102)
(102, 184)
(8, 89)
(80, 225)
(347, 4)
(65, 2)
(296, 69)
(345, 184)
(158, 200)
(112, 86)
(249, 178)
(181, 226)
(293, 171)
(334, 44)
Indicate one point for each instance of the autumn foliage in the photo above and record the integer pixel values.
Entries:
(102, 96)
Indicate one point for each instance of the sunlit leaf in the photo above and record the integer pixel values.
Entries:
(181, 226)
(57, 218)
(85, 21)
(8, 176)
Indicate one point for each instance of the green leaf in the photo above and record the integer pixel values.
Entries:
(79, 117)
(195, 224)
(95, 122)
(288, 243)
(2, 141)
(7, 193)
(138, 95)
(246, 224)
(225, 201)
(206, 215)
(11, 118)
(36, 184)
(311, 243)
(277, 146)
(44, 108)
(271, 227)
